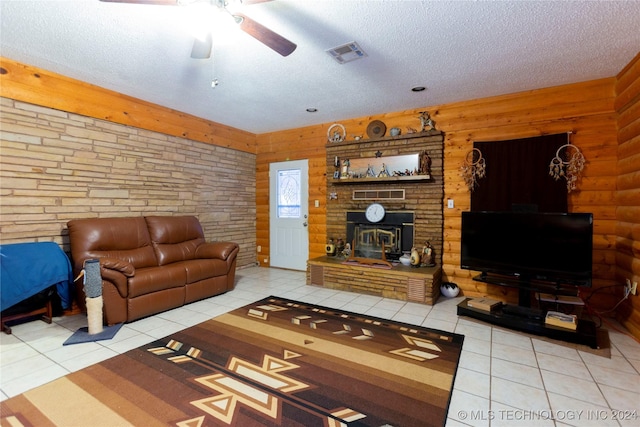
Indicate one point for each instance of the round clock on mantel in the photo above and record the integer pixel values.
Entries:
(374, 212)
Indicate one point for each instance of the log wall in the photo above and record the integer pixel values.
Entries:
(628, 185)
(586, 109)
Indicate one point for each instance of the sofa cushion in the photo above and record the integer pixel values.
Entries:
(126, 239)
(200, 269)
(153, 279)
(175, 238)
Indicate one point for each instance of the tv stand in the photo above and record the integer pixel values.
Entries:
(532, 324)
(526, 285)
(523, 317)
(520, 311)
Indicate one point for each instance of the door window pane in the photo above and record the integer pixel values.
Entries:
(289, 193)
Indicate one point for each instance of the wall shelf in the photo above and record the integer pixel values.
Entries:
(411, 178)
(364, 142)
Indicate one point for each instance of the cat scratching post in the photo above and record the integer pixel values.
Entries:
(93, 292)
(96, 330)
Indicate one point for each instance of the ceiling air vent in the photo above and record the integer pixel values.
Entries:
(346, 53)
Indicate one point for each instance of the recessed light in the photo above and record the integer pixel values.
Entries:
(312, 110)
(418, 89)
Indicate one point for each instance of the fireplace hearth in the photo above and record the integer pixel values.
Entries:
(394, 233)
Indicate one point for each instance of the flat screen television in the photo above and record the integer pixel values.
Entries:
(551, 247)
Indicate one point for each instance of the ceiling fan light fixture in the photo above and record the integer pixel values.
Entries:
(346, 52)
(418, 89)
(202, 47)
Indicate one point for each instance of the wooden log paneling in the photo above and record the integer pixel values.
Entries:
(586, 109)
(627, 262)
(39, 87)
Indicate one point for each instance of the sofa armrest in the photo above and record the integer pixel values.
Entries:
(123, 267)
(117, 279)
(220, 250)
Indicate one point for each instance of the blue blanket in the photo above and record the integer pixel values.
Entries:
(28, 268)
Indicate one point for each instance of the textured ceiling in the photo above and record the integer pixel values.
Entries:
(459, 50)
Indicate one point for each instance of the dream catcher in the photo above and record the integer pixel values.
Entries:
(473, 168)
(568, 163)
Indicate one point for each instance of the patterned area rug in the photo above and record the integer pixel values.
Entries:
(275, 362)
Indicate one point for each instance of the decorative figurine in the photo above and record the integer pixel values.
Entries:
(427, 259)
(346, 252)
(425, 163)
(415, 257)
(340, 247)
(370, 172)
(345, 169)
(384, 171)
(330, 248)
(426, 121)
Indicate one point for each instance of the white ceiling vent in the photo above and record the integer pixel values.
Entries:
(346, 53)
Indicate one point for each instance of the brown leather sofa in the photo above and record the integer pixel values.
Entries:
(151, 264)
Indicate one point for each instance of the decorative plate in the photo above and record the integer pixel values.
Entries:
(376, 129)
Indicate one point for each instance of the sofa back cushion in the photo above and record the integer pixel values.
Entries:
(175, 238)
(126, 239)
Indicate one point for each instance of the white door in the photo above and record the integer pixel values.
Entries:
(288, 214)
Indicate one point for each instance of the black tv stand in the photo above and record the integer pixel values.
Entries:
(520, 311)
(585, 334)
(523, 317)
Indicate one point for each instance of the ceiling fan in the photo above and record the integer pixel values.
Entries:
(202, 49)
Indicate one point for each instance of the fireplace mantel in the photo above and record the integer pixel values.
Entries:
(401, 138)
(408, 178)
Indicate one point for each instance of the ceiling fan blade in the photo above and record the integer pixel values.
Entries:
(264, 35)
(161, 2)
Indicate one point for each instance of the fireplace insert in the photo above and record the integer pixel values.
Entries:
(394, 233)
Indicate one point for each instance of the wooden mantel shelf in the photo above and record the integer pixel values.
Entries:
(364, 142)
(411, 178)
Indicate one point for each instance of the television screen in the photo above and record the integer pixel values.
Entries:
(554, 247)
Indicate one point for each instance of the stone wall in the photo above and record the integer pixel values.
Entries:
(56, 166)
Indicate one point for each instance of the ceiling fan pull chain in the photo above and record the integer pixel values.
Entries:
(214, 79)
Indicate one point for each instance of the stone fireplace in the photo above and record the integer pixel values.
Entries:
(395, 232)
(414, 216)
(422, 197)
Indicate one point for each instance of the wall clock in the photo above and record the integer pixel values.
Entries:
(374, 212)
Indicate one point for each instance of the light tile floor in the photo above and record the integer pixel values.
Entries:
(504, 378)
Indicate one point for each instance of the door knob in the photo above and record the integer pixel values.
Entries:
(305, 223)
